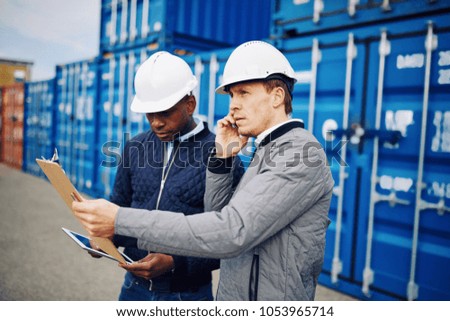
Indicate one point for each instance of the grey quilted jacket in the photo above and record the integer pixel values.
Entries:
(269, 232)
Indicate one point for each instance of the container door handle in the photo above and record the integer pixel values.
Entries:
(84, 108)
(75, 128)
(198, 70)
(110, 111)
(112, 34)
(352, 7)
(132, 28)
(124, 20)
(316, 57)
(430, 45)
(318, 9)
(130, 77)
(145, 28)
(337, 262)
(213, 69)
(384, 50)
(143, 120)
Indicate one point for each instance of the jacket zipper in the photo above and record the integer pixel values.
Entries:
(254, 279)
(165, 173)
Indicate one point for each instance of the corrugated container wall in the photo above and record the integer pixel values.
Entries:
(292, 18)
(76, 122)
(183, 25)
(377, 100)
(117, 123)
(39, 124)
(12, 125)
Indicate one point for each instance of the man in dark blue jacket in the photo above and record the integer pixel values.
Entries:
(165, 169)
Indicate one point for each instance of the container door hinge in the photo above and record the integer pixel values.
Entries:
(318, 9)
(439, 206)
(367, 280)
(385, 6)
(412, 291)
(336, 269)
(352, 7)
(392, 199)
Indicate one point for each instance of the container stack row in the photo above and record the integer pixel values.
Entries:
(373, 87)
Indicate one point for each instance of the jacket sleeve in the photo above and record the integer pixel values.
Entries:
(222, 177)
(290, 184)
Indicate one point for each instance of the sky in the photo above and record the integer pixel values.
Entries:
(49, 32)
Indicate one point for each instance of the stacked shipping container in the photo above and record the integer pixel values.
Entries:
(39, 124)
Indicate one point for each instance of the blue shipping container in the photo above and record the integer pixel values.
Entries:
(76, 94)
(116, 122)
(390, 231)
(185, 25)
(39, 124)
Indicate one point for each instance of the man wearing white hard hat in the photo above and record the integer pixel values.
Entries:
(164, 169)
(269, 232)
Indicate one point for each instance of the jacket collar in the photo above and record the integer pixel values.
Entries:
(280, 131)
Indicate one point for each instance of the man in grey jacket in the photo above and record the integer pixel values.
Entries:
(270, 232)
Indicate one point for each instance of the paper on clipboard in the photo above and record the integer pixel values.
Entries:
(68, 193)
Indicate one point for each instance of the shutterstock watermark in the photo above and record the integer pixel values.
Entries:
(192, 154)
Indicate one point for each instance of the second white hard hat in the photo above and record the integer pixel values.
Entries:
(255, 60)
(160, 82)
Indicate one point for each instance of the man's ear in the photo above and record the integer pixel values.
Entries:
(191, 104)
(278, 95)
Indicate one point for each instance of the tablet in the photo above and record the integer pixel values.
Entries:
(84, 243)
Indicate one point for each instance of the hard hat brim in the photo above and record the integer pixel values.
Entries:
(142, 107)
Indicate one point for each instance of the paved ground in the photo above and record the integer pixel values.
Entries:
(39, 262)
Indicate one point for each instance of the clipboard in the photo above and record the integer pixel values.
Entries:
(69, 193)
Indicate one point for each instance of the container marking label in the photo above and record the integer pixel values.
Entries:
(444, 77)
(401, 184)
(399, 120)
(444, 58)
(439, 189)
(410, 61)
(441, 138)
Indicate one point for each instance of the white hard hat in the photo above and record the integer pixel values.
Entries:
(255, 60)
(160, 82)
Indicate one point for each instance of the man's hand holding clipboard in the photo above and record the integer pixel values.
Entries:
(69, 194)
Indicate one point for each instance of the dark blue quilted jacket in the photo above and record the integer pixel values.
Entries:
(138, 181)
